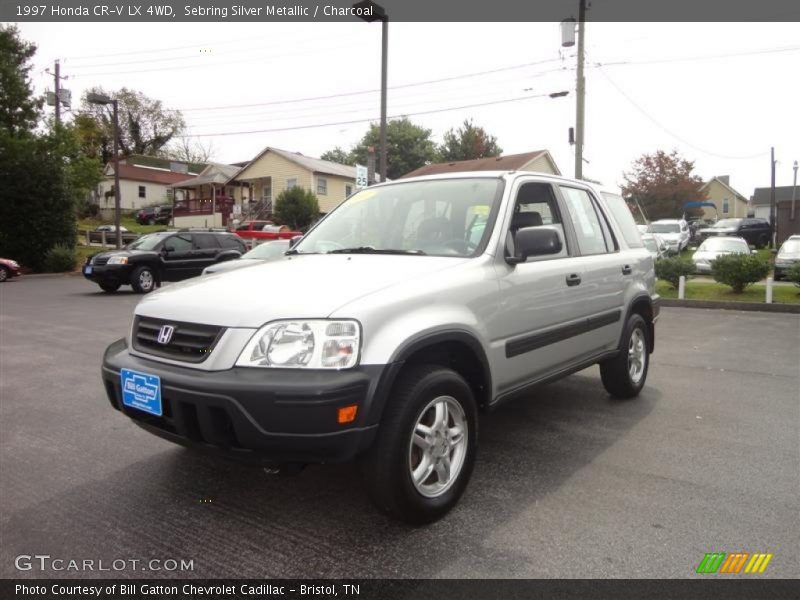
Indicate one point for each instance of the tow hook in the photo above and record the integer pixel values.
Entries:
(284, 469)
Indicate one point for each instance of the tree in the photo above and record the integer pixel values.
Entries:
(663, 183)
(338, 155)
(189, 150)
(37, 211)
(145, 125)
(19, 109)
(468, 142)
(409, 147)
(296, 207)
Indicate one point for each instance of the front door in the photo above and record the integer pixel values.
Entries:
(176, 256)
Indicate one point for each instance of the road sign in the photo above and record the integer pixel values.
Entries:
(361, 177)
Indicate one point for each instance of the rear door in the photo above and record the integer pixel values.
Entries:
(177, 257)
(206, 249)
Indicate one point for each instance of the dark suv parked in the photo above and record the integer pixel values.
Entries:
(164, 256)
(756, 231)
(154, 215)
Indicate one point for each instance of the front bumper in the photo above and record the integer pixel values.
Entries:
(258, 415)
(119, 274)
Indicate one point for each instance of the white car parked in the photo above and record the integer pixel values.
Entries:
(713, 248)
(674, 232)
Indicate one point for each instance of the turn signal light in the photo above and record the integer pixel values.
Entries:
(347, 414)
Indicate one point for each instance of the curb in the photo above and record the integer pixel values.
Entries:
(46, 275)
(748, 306)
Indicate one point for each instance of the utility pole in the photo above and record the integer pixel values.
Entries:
(772, 212)
(794, 190)
(581, 91)
(58, 91)
(384, 68)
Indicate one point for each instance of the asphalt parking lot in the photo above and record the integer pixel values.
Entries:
(569, 483)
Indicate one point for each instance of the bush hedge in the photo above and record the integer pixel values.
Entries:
(60, 258)
(793, 274)
(671, 269)
(739, 270)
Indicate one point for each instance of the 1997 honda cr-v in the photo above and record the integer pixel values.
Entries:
(399, 317)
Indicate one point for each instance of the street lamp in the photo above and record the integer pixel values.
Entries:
(374, 12)
(94, 98)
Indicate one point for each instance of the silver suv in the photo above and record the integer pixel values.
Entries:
(381, 335)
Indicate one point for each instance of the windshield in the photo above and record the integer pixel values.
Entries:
(650, 244)
(723, 245)
(146, 242)
(790, 247)
(727, 224)
(268, 250)
(665, 228)
(443, 217)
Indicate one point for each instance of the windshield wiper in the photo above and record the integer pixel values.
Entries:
(371, 250)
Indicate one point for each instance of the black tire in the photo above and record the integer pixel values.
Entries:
(386, 467)
(616, 372)
(143, 280)
(3, 274)
(109, 288)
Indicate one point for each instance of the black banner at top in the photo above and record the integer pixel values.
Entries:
(395, 10)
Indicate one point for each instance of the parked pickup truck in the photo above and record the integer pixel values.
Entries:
(391, 325)
(256, 232)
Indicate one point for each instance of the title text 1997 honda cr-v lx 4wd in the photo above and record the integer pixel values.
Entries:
(402, 314)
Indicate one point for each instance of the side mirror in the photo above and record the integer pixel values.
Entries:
(294, 241)
(534, 241)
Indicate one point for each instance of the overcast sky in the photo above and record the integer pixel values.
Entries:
(721, 94)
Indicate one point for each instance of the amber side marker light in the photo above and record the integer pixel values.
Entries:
(347, 414)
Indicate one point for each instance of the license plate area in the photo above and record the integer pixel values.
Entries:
(87, 270)
(141, 391)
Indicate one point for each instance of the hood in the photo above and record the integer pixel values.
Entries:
(311, 286)
(230, 265)
(671, 237)
(717, 230)
(711, 255)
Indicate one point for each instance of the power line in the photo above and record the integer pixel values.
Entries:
(409, 114)
(701, 57)
(374, 90)
(671, 133)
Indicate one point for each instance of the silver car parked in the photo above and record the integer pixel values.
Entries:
(713, 248)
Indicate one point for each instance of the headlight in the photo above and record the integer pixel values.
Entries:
(118, 260)
(311, 343)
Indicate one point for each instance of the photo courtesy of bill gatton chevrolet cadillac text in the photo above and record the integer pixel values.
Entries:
(391, 325)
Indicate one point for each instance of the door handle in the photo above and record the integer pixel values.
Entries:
(626, 270)
(573, 279)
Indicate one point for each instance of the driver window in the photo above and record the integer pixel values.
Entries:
(536, 207)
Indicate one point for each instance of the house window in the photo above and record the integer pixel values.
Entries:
(725, 206)
(291, 182)
(348, 190)
(322, 186)
(142, 192)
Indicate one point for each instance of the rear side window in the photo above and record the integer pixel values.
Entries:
(205, 241)
(231, 242)
(624, 218)
(591, 239)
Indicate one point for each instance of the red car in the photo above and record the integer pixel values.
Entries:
(8, 269)
(264, 231)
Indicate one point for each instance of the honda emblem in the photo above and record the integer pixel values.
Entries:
(165, 334)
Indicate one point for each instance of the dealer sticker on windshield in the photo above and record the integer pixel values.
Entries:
(141, 391)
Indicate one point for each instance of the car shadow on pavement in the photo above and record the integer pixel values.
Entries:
(233, 520)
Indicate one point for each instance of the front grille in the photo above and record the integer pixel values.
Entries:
(100, 260)
(190, 342)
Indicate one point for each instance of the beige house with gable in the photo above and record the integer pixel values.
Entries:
(728, 201)
(275, 170)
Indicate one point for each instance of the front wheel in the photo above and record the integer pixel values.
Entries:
(426, 445)
(3, 273)
(143, 280)
(624, 375)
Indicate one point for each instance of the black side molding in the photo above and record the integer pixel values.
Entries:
(535, 341)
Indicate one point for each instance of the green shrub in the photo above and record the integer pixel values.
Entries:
(59, 259)
(671, 269)
(793, 274)
(739, 270)
(296, 207)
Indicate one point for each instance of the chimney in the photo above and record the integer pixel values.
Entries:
(726, 179)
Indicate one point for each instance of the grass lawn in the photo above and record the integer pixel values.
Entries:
(128, 223)
(707, 290)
